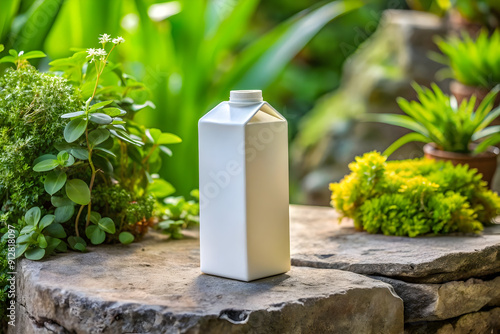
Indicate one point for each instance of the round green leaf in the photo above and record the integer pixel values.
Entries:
(46, 165)
(44, 157)
(54, 182)
(35, 253)
(168, 138)
(62, 247)
(161, 188)
(79, 153)
(94, 217)
(78, 191)
(74, 129)
(95, 234)
(64, 213)
(23, 239)
(107, 224)
(62, 156)
(55, 230)
(33, 216)
(77, 243)
(100, 118)
(20, 249)
(126, 238)
(42, 242)
(46, 221)
(60, 201)
(98, 136)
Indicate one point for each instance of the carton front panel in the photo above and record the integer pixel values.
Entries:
(222, 200)
(267, 198)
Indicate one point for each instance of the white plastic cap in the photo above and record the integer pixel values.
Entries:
(243, 96)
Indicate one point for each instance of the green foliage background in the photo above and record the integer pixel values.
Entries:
(190, 60)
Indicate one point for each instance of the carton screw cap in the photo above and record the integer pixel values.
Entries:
(245, 96)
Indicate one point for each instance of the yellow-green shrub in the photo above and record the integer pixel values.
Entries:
(413, 197)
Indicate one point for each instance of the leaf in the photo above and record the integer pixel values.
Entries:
(94, 217)
(24, 238)
(98, 136)
(27, 229)
(62, 247)
(54, 182)
(20, 249)
(100, 118)
(293, 35)
(60, 201)
(35, 253)
(46, 165)
(166, 150)
(125, 137)
(78, 114)
(42, 242)
(99, 105)
(64, 213)
(105, 151)
(46, 221)
(107, 224)
(168, 138)
(32, 217)
(79, 153)
(31, 30)
(126, 238)
(8, 59)
(153, 135)
(55, 230)
(113, 112)
(77, 243)
(13, 53)
(78, 191)
(74, 129)
(44, 157)
(95, 234)
(33, 54)
(1, 47)
(410, 137)
(161, 188)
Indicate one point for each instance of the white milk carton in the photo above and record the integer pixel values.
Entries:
(244, 222)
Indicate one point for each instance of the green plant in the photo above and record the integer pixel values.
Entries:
(413, 197)
(437, 118)
(43, 234)
(472, 62)
(178, 214)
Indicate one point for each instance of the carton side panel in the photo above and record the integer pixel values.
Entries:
(222, 200)
(267, 199)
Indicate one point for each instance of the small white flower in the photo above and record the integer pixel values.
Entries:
(101, 53)
(91, 52)
(104, 38)
(20, 53)
(118, 40)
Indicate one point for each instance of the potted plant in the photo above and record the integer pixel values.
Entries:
(451, 131)
(474, 65)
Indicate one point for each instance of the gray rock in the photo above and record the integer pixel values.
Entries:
(156, 287)
(318, 241)
(485, 322)
(431, 302)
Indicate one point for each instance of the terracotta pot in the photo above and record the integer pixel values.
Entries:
(457, 24)
(485, 163)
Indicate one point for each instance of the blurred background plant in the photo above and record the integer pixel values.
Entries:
(191, 53)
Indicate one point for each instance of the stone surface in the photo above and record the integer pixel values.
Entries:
(381, 70)
(431, 302)
(485, 322)
(318, 241)
(156, 287)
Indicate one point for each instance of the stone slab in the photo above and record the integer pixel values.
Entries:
(484, 322)
(318, 241)
(432, 302)
(156, 287)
